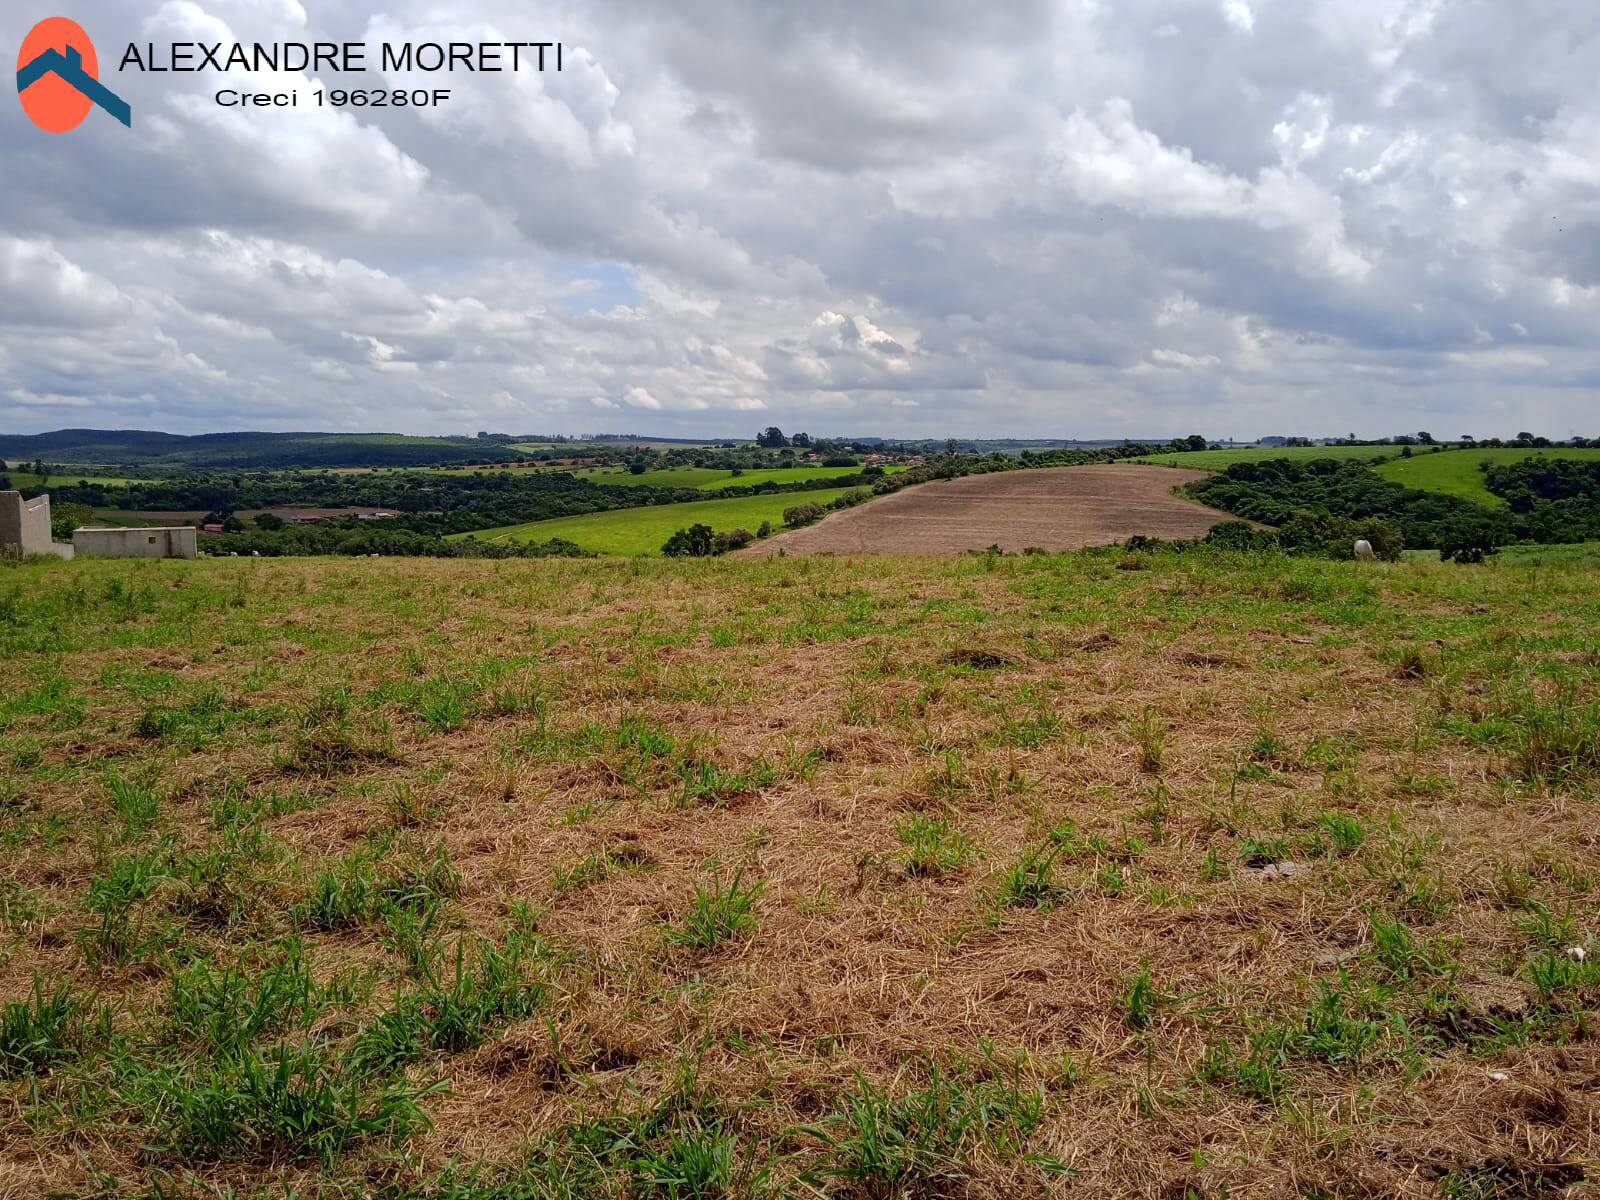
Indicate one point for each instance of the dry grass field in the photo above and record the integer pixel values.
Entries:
(1058, 508)
(1099, 874)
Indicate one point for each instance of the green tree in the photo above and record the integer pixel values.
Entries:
(64, 518)
(1469, 541)
(693, 542)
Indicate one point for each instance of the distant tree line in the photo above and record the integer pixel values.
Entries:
(425, 502)
(300, 540)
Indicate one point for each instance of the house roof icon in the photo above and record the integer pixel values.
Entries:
(68, 66)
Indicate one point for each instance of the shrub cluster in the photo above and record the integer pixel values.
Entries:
(1321, 505)
(1551, 499)
(364, 540)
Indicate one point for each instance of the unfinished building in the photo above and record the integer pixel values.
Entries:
(25, 527)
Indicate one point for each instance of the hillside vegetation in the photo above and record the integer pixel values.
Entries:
(645, 530)
(1100, 874)
(711, 479)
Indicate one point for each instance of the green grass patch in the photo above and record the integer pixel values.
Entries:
(1215, 460)
(645, 530)
(1456, 472)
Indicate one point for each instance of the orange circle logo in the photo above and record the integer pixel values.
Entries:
(58, 76)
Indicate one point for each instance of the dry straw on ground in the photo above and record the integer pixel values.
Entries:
(1253, 784)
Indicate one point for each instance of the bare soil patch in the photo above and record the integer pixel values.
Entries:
(1060, 508)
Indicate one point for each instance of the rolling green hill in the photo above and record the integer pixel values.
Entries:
(1456, 473)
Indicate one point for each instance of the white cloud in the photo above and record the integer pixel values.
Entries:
(638, 397)
(1110, 159)
(40, 287)
(1178, 359)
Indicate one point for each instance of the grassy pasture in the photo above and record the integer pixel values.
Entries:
(682, 477)
(1456, 473)
(1215, 460)
(644, 530)
(1089, 874)
(710, 479)
(27, 479)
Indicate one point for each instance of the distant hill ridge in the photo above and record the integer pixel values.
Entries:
(247, 450)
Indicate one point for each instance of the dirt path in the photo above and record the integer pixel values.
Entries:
(1059, 508)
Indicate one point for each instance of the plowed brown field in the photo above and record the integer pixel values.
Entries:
(1060, 508)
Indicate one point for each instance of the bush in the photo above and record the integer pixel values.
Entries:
(64, 518)
(802, 514)
(1385, 539)
(693, 542)
(731, 539)
(1233, 535)
(1469, 541)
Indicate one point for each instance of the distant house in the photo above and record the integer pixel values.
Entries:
(375, 516)
(169, 541)
(214, 527)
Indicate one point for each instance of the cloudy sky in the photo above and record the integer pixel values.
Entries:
(1087, 218)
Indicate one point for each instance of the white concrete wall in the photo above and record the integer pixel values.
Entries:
(182, 541)
(160, 542)
(24, 524)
